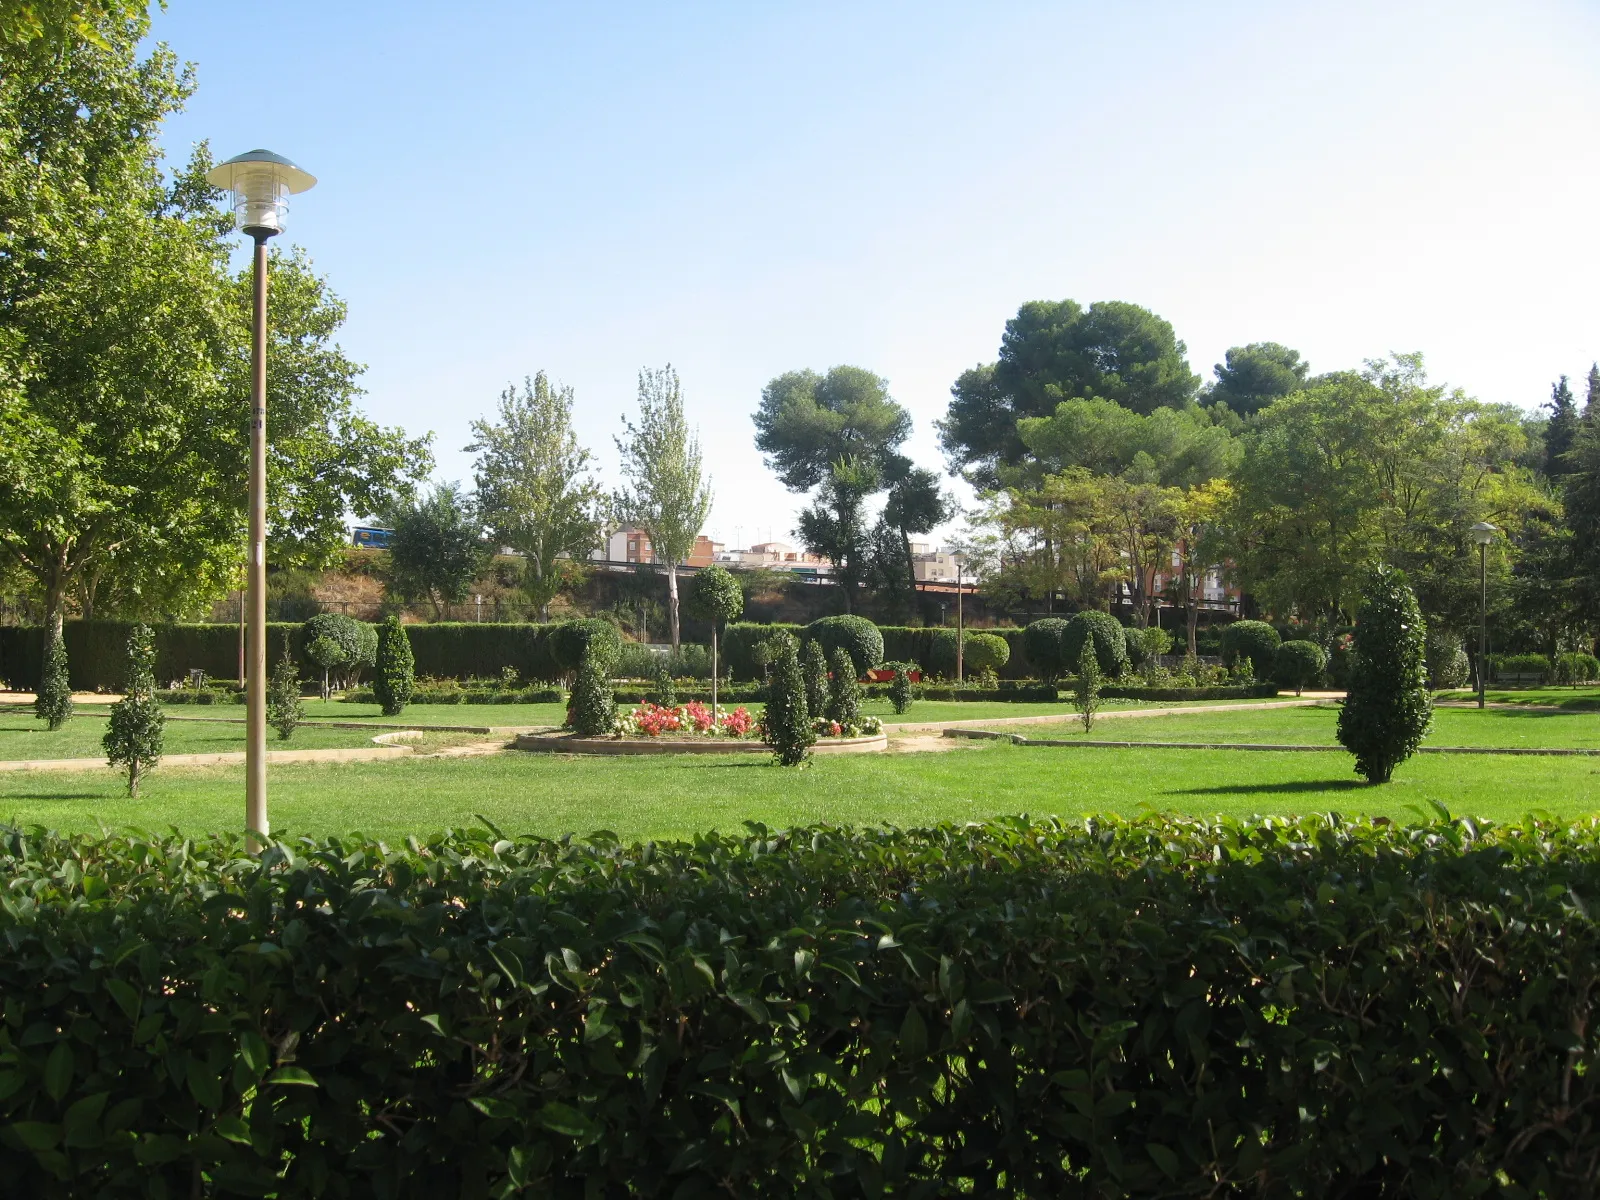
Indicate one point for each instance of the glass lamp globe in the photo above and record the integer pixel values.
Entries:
(1483, 532)
(261, 183)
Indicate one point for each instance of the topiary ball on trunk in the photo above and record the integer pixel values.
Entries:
(1387, 711)
(786, 724)
(395, 672)
(1298, 665)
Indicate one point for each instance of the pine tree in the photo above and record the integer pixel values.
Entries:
(786, 725)
(1086, 684)
(1387, 711)
(815, 669)
(54, 701)
(844, 693)
(134, 736)
(285, 710)
(592, 711)
(395, 670)
(1562, 431)
(1591, 399)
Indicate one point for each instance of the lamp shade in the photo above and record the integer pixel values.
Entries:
(261, 183)
(1483, 532)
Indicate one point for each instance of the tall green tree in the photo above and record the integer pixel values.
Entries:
(1591, 396)
(536, 490)
(839, 433)
(1254, 376)
(436, 547)
(667, 494)
(1173, 447)
(1561, 431)
(55, 23)
(1058, 350)
(916, 504)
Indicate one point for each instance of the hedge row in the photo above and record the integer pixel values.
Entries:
(1160, 1007)
(1252, 691)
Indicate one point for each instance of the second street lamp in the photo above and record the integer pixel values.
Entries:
(1483, 533)
(261, 183)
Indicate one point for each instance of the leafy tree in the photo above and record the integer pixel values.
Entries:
(1298, 664)
(327, 653)
(592, 710)
(61, 22)
(1591, 396)
(814, 667)
(666, 688)
(394, 674)
(535, 490)
(1055, 351)
(667, 495)
(348, 646)
(839, 433)
(715, 596)
(1173, 447)
(916, 504)
(134, 735)
(1448, 665)
(53, 704)
(1387, 710)
(1561, 433)
(1104, 632)
(285, 710)
(786, 723)
(1256, 375)
(436, 547)
(844, 690)
(1086, 684)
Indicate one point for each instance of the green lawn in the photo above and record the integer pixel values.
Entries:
(1561, 697)
(22, 735)
(1316, 727)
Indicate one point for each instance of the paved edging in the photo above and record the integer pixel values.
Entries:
(1018, 739)
(1110, 714)
(220, 759)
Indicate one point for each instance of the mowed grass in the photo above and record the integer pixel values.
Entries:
(1531, 728)
(1583, 698)
(681, 795)
(23, 736)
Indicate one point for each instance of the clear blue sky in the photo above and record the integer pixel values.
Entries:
(743, 189)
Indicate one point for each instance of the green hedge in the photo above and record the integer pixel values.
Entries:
(739, 642)
(1158, 1007)
(96, 651)
(1252, 691)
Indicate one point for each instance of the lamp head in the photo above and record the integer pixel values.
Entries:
(261, 183)
(1483, 532)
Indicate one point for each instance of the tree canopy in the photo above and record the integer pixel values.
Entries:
(1254, 376)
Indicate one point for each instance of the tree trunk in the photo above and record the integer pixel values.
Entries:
(713, 674)
(672, 609)
(911, 573)
(133, 778)
(55, 615)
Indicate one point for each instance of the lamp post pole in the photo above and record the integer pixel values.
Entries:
(961, 628)
(255, 744)
(1483, 620)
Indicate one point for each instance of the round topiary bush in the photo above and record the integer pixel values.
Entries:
(1110, 644)
(980, 652)
(1387, 710)
(1298, 665)
(1255, 640)
(858, 636)
(1042, 641)
(1448, 664)
(571, 640)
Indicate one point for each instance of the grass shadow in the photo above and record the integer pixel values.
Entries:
(1255, 789)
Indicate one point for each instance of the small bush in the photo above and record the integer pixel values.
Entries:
(666, 689)
(357, 644)
(134, 735)
(1575, 668)
(572, 640)
(1255, 640)
(1448, 664)
(1043, 642)
(1387, 710)
(592, 712)
(1110, 646)
(814, 668)
(1521, 664)
(53, 704)
(900, 694)
(285, 710)
(980, 652)
(856, 635)
(1146, 646)
(786, 723)
(1086, 685)
(844, 691)
(1298, 665)
(394, 674)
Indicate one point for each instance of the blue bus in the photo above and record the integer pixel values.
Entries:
(370, 537)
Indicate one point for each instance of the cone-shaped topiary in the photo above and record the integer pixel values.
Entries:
(54, 701)
(395, 674)
(815, 669)
(134, 735)
(1086, 684)
(900, 689)
(786, 725)
(592, 711)
(844, 692)
(284, 708)
(1298, 665)
(1387, 710)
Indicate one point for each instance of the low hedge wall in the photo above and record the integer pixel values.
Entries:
(1252, 691)
(1158, 1007)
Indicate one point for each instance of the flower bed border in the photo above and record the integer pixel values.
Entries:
(570, 743)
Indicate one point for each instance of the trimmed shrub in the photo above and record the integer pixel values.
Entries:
(357, 644)
(980, 652)
(133, 736)
(944, 1034)
(814, 669)
(1110, 646)
(1255, 640)
(1086, 684)
(1298, 665)
(856, 635)
(593, 711)
(285, 710)
(666, 689)
(1575, 668)
(1043, 642)
(53, 703)
(1521, 664)
(572, 641)
(1387, 710)
(786, 723)
(739, 644)
(844, 691)
(394, 676)
(900, 694)
(1146, 645)
(1448, 664)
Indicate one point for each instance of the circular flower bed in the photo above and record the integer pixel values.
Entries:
(685, 720)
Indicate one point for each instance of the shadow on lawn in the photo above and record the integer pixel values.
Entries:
(1254, 789)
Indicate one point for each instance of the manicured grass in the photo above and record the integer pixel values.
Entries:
(24, 736)
(1559, 697)
(1316, 726)
(658, 797)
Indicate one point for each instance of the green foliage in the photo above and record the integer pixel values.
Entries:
(1255, 640)
(1243, 670)
(715, 595)
(844, 690)
(814, 667)
(53, 702)
(1256, 375)
(666, 691)
(592, 711)
(1298, 664)
(1105, 631)
(979, 652)
(786, 723)
(1520, 664)
(436, 547)
(394, 677)
(856, 635)
(1086, 684)
(572, 641)
(1042, 640)
(285, 709)
(1575, 668)
(1171, 447)
(133, 735)
(900, 694)
(747, 650)
(1387, 709)
(1448, 664)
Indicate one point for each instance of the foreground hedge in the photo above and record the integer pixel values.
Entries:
(1160, 1007)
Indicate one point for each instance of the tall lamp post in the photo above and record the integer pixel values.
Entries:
(1483, 533)
(261, 183)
